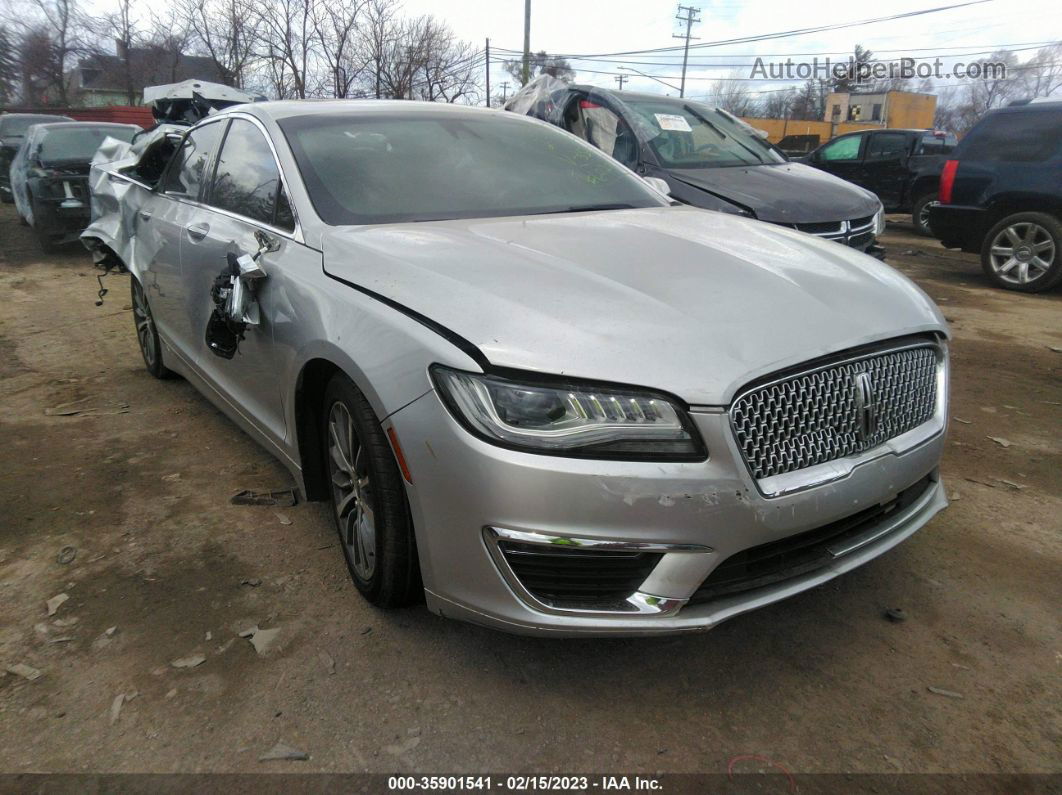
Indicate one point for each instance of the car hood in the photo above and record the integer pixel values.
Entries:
(693, 302)
(786, 193)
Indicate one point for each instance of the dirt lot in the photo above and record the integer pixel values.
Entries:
(138, 483)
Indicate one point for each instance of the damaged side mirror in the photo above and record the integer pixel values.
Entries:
(234, 295)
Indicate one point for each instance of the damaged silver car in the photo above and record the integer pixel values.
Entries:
(534, 390)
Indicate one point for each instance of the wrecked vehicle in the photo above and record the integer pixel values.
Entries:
(534, 390)
(13, 128)
(49, 176)
(708, 158)
(187, 102)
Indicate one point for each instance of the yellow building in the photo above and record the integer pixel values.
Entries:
(897, 109)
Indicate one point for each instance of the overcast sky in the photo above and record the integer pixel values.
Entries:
(579, 26)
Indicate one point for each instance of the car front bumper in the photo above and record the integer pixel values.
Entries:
(467, 493)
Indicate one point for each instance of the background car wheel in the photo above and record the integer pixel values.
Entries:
(920, 213)
(368, 499)
(1024, 252)
(147, 335)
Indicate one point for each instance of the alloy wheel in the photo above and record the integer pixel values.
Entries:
(145, 325)
(351, 491)
(1022, 253)
(923, 214)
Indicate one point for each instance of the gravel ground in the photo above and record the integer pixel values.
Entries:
(136, 485)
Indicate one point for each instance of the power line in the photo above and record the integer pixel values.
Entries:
(621, 79)
(781, 34)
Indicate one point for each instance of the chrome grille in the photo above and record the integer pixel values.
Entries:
(835, 410)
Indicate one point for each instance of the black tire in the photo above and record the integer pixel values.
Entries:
(394, 580)
(1024, 234)
(147, 334)
(46, 243)
(920, 213)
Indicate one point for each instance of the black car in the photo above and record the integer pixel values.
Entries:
(49, 176)
(13, 128)
(1001, 196)
(708, 158)
(902, 167)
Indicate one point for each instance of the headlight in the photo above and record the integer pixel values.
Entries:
(879, 222)
(570, 419)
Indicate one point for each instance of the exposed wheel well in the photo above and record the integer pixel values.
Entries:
(1023, 204)
(309, 396)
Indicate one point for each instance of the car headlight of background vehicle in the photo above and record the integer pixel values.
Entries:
(879, 221)
(570, 419)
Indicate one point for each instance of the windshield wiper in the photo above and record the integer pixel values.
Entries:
(722, 134)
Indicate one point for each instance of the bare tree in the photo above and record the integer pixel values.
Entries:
(732, 96)
(120, 26)
(226, 31)
(168, 39)
(541, 63)
(448, 68)
(1041, 75)
(60, 24)
(287, 28)
(8, 66)
(377, 32)
(337, 31)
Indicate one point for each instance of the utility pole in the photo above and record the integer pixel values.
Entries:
(689, 19)
(505, 90)
(526, 72)
(621, 79)
(488, 71)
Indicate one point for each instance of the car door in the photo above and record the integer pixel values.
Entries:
(245, 206)
(842, 157)
(885, 166)
(161, 223)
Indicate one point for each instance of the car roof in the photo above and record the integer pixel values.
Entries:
(6, 115)
(287, 108)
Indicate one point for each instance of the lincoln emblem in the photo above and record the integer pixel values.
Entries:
(867, 408)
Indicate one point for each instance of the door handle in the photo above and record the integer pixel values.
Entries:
(145, 215)
(198, 231)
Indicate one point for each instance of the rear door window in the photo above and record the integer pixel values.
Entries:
(188, 170)
(247, 179)
(935, 144)
(886, 146)
(1015, 137)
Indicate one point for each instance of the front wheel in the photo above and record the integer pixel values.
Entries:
(920, 213)
(147, 335)
(1024, 252)
(368, 499)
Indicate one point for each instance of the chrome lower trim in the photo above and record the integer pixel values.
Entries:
(638, 603)
(526, 537)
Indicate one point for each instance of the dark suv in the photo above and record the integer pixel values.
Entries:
(901, 166)
(1001, 196)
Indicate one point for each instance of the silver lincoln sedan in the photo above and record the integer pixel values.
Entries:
(537, 392)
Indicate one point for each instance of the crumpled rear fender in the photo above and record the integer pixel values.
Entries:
(115, 200)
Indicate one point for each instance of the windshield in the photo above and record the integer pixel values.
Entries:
(692, 135)
(18, 124)
(78, 143)
(374, 168)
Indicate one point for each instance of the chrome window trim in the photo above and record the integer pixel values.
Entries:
(830, 471)
(296, 234)
(639, 603)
